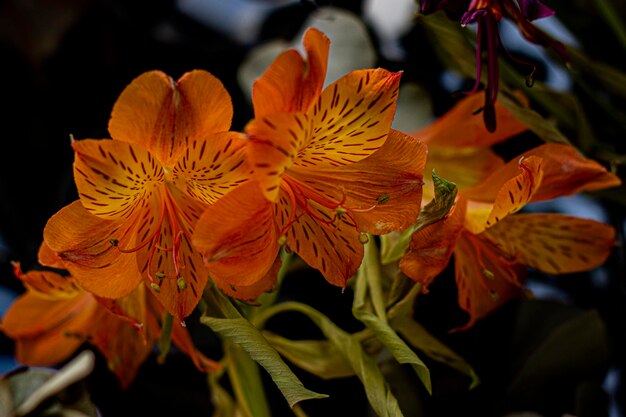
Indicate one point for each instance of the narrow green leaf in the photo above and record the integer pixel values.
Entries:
(394, 246)
(237, 329)
(611, 16)
(248, 337)
(535, 122)
(611, 78)
(319, 357)
(245, 378)
(368, 282)
(223, 403)
(377, 390)
(456, 51)
(401, 319)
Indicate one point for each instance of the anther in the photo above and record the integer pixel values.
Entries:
(282, 240)
(488, 274)
(363, 238)
(382, 199)
(160, 275)
(182, 284)
(156, 287)
(114, 242)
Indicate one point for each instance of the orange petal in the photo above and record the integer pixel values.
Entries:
(466, 167)
(513, 193)
(47, 257)
(212, 166)
(351, 119)
(323, 240)
(184, 280)
(47, 284)
(47, 331)
(163, 116)
(463, 126)
(430, 248)
(124, 348)
(130, 309)
(182, 339)
(274, 142)
(381, 192)
(83, 241)
(279, 89)
(554, 243)
(238, 239)
(290, 84)
(485, 279)
(566, 171)
(115, 179)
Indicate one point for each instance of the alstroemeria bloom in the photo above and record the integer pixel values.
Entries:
(459, 145)
(55, 317)
(486, 14)
(142, 192)
(327, 169)
(492, 245)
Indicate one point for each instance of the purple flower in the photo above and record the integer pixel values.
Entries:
(486, 14)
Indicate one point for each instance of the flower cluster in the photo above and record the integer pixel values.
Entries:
(175, 201)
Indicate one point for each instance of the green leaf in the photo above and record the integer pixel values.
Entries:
(613, 80)
(394, 246)
(245, 378)
(237, 329)
(368, 281)
(534, 121)
(223, 403)
(378, 392)
(319, 357)
(241, 332)
(401, 319)
(455, 49)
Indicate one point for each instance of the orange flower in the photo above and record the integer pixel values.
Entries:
(459, 143)
(55, 317)
(327, 169)
(492, 247)
(142, 192)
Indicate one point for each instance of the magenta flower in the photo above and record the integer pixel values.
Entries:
(486, 14)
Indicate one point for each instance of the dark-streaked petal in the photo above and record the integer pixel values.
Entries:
(292, 84)
(238, 240)
(485, 279)
(554, 243)
(163, 116)
(83, 242)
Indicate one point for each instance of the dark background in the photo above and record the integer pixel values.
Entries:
(62, 66)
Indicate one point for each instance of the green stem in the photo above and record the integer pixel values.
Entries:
(611, 17)
(166, 337)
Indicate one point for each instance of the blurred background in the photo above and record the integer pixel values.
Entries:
(64, 63)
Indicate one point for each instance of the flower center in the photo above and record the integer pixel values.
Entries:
(326, 211)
